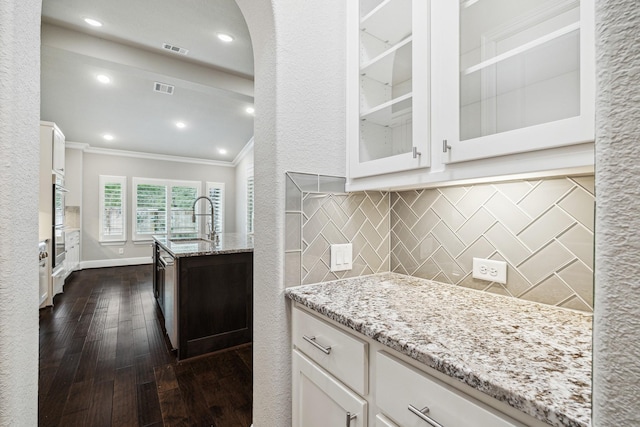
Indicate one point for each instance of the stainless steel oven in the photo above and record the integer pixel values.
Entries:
(57, 243)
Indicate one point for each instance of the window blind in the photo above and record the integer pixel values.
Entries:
(182, 198)
(151, 209)
(112, 214)
(113, 223)
(215, 191)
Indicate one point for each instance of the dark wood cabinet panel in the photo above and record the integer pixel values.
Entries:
(215, 300)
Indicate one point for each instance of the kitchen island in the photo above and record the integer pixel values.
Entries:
(528, 356)
(205, 291)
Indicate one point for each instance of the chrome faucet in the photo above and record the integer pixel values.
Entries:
(212, 232)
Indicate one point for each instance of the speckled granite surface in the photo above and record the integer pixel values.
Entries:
(193, 245)
(535, 358)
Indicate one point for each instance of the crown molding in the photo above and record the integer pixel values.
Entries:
(151, 156)
(245, 150)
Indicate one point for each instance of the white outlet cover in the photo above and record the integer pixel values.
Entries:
(490, 270)
(341, 257)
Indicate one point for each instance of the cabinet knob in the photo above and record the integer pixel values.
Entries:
(445, 146)
(416, 153)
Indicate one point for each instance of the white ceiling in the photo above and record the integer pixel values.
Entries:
(213, 83)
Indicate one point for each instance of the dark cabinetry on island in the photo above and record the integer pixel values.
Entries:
(205, 293)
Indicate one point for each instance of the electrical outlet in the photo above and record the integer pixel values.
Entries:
(342, 257)
(121, 251)
(491, 270)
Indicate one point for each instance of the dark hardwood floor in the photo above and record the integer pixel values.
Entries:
(104, 361)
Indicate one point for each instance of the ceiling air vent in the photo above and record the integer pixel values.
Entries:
(175, 49)
(163, 88)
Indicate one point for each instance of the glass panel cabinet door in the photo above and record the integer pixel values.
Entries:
(386, 97)
(524, 77)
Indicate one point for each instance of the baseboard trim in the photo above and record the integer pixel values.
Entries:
(119, 262)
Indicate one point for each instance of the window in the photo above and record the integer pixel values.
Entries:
(112, 213)
(182, 197)
(250, 201)
(215, 191)
(163, 206)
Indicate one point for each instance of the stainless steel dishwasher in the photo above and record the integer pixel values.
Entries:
(169, 299)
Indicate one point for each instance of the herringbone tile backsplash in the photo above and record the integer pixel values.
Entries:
(317, 217)
(543, 229)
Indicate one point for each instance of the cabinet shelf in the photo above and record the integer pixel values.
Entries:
(393, 64)
(377, 22)
(384, 114)
(523, 48)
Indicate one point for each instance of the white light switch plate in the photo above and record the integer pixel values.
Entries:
(491, 270)
(341, 257)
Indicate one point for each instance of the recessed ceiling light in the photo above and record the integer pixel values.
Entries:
(93, 22)
(103, 79)
(108, 137)
(181, 125)
(250, 110)
(225, 37)
(222, 151)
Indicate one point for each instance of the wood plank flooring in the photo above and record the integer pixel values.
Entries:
(104, 361)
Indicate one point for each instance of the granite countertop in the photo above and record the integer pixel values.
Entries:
(196, 245)
(535, 358)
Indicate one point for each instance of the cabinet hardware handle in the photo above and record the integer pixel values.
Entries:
(312, 341)
(416, 153)
(445, 146)
(422, 414)
(350, 417)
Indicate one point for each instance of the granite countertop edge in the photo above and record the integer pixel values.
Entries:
(229, 243)
(547, 413)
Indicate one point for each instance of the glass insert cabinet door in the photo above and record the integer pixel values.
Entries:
(388, 57)
(524, 77)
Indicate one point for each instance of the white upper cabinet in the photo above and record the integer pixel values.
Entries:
(513, 77)
(387, 86)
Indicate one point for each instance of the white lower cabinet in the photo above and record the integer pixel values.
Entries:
(72, 256)
(341, 378)
(413, 398)
(320, 400)
(382, 421)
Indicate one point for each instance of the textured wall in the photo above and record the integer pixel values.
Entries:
(616, 382)
(543, 229)
(19, 144)
(300, 114)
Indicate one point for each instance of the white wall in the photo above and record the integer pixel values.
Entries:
(95, 165)
(243, 166)
(299, 55)
(616, 363)
(19, 174)
(73, 166)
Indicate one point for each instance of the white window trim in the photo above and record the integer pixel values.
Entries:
(219, 185)
(135, 237)
(114, 239)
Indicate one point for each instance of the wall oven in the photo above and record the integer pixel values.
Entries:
(57, 243)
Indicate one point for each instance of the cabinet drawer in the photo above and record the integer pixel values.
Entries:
(382, 421)
(399, 385)
(345, 356)
(72, 238)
